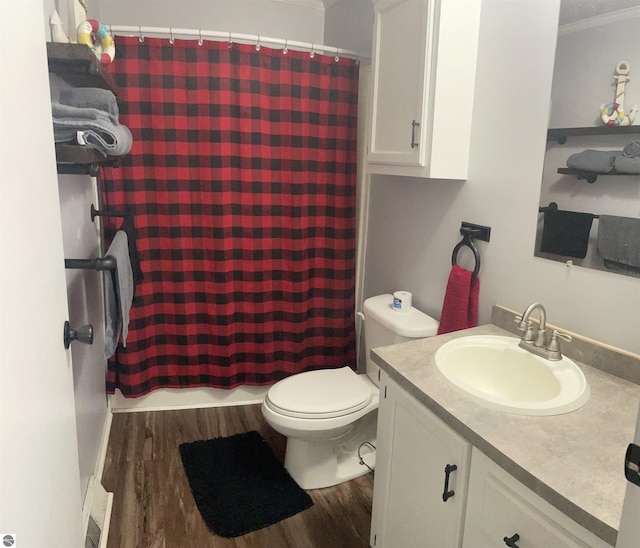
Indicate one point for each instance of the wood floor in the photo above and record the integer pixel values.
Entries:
(153, 506)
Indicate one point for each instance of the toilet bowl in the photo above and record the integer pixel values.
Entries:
(325, 414)
(329, 416)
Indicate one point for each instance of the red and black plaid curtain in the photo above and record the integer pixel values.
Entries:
(242, 184)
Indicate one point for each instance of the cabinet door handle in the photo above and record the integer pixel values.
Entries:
(511, 542)
(414, 124)
(446, 494)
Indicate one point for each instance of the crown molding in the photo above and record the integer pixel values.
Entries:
(600, 20)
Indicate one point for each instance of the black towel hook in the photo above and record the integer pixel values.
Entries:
(470, 231)
(467, 242)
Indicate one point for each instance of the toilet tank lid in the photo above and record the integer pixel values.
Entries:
(412, 324)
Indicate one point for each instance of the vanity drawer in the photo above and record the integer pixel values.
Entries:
(500, 508)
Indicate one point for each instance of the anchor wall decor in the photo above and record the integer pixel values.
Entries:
(613, 114)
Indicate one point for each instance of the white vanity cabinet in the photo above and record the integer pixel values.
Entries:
(501, 511)
(433, 490)
(421, 475)
(424, 65)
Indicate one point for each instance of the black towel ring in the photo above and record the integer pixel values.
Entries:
(467, 242)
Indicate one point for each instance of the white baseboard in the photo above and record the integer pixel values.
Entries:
(165, 399)
(98, 505)
(98, 502)
(104, 444)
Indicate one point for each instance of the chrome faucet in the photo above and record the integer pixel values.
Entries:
(535, 340)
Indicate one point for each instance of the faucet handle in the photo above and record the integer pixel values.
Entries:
(554, 345)
(526, 327)
(561, 335)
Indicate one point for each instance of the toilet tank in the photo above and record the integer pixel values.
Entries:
(384, 326)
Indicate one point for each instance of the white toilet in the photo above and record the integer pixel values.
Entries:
(329, 415)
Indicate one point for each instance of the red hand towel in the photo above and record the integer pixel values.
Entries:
(460, 307)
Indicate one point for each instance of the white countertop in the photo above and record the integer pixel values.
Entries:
(574, 461)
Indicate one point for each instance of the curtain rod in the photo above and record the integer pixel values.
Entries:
(200, 34)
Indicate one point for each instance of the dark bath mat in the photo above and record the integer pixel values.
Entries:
(238, 484)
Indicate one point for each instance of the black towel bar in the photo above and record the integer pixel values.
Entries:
(98, 213)
(106, 263)
(470, 232)
(554, 207)
(551, 207)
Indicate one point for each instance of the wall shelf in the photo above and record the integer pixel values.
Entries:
(592, 176)
(77, 66)
(560, 134)
(81, 160)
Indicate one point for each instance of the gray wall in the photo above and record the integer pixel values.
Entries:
(584, 70)
(414, 224)
(349, 25)
(84, 292)
(263, 17)
(582, 81)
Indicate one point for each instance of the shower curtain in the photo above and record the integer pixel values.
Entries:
(242, 183)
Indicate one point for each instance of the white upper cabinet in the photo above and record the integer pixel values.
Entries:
(424, 65)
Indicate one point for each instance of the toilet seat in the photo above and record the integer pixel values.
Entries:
(320, 394)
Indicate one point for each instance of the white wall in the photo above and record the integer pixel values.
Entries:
(39, 482)
(415, 224)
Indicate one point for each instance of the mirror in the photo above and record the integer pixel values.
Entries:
(587, 215)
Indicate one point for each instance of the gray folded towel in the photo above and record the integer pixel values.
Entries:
(618, 240)
(100, 99)
(632, 150)
(118, 294)
(95, 126)
(624, 164)
(65, 112)
(598, 161)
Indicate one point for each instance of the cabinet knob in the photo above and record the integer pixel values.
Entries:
(511, 541)
(447, 494)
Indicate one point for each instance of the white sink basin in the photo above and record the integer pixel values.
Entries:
(496, 373)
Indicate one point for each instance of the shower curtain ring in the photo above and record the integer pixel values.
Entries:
(140, 37)
(312, 53)
(200, 41)
(258, 44)
(337, 57)
(171, 40)
(229, 43)
(285, 50)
